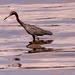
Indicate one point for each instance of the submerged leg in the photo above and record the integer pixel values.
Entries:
(33, 38)
(37, 37)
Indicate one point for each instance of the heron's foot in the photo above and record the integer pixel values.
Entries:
(34, 40)
(38, 39)
(31, 42)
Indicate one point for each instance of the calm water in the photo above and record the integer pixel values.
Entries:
(54, 55)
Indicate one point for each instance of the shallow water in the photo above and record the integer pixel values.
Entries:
(52, 55)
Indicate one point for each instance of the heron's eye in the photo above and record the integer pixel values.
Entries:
(11, 13)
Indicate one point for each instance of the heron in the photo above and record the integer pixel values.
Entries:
(31, 29)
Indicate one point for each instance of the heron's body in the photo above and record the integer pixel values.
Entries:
(31, 29)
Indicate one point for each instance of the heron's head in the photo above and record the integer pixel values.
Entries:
(11, 13)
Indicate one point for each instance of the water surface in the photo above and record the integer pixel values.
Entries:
(54, 54)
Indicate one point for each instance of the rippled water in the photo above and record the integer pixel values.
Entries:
(52, 55)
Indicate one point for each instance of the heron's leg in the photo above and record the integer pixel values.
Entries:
(33, 38)
(37, 37)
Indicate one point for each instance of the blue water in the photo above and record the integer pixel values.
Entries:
(54, 55)
(34, 1)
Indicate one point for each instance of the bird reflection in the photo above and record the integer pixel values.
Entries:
(16, 65)
(36, 46)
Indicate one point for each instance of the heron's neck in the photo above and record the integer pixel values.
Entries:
(17, 18)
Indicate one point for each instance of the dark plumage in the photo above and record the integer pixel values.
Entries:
(31, 29)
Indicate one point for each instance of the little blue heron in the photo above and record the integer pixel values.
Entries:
(31, 29)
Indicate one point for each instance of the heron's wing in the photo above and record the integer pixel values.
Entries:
(35, 30)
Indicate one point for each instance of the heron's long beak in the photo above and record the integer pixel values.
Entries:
(7, 17)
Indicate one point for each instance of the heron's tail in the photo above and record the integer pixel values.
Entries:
(48, 33)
